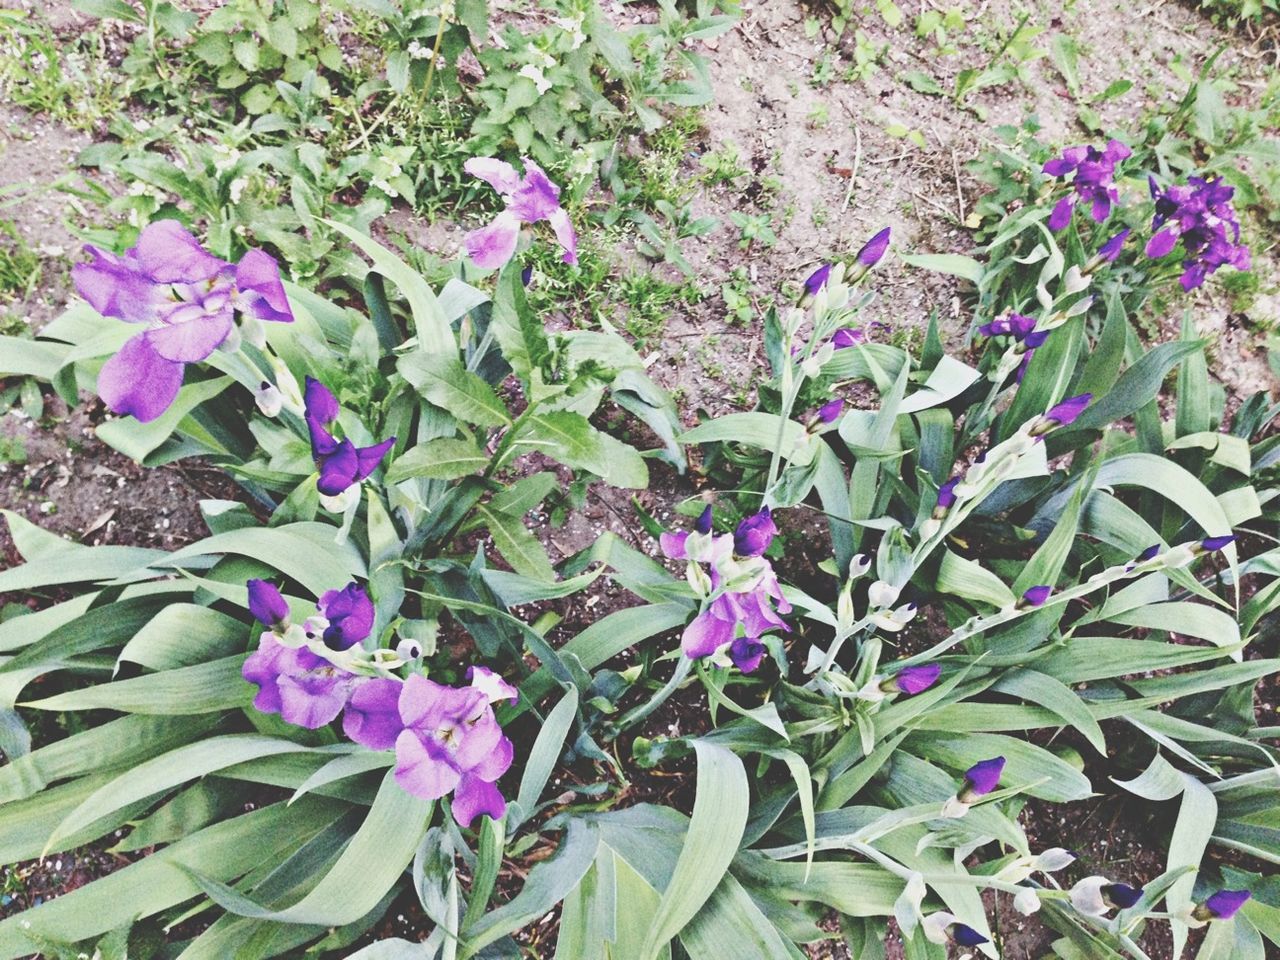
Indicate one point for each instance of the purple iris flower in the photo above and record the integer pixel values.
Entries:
(528, 199)
(266, 604)
(746, 654)
(817, 280)
(187, 299)
(349, 613)
(1092, 173)
(1222, 905)
(1122, 895)
(966, 936)
(1036, 596)
(1111, 249)
(830, 412)
(340, 462)
(874, 249)
(982, 778)
(492, 685)
(703, 523)
(451, 742)
(914, 679)
(754, 534)
(1200, 214)
(1212, 544)
(1062, 414)
(752, 610)
(372, 717)
(847, 337)
(1023, 330)
(946, 497)
(303, 687)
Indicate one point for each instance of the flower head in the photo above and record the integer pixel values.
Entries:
(1222, 905)
(946, 497)
(349, 615)
(943, 927)
(1213, 544)
(266, 604)
(1110, 250)
(754, 534)
(912, 680)
(817, 280)
(1024, 333)
(1092, 175)
(492, 685)
(1095, 896)
(1198, 213)
(303, 687)
(874, 249)
(529, 199)
(1061, 414)
(746, 653)
(830, 412)
(188, 301)
(340, 462)
(1036, 596)
(847, 337)
(982, 778)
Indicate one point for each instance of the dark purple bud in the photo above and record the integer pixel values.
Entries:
(848, 337)
(1121, 895)
(266, 604)
(1061, 414)
(746, 654)
(830, 412)
(1036, 596)
(754, 534)
(966, 936)
(1111, 249)
(1223, 905)
(817, 280)
(526, 275)
(350, 615)
(913, 680)
(946, 497)
(981, 779)
(321, 404)
(703, 524)
(1211, 544)
(1148, 553)
(874, 249)
(1035, 339)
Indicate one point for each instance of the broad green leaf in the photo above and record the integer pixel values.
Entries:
(200, 688)
(546, 751)
(184, 634)
(950, 263)
(444, 381)
(969, 579)
(569, 438)
(518, 546)
(445, 458)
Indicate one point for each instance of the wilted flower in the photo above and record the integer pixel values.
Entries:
(187, 299)
(1222, 905)
(943, 927)
(1036, 596)
(528, 199)
(1092, 173)
(1200, 214)
(912, 680)
(340, 462)
(1094, 896)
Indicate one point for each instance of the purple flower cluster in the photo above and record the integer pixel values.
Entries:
(1200, 214)
(340, 462)
(528, 199)
(746, 596)
(1092, 173)
(185, 297)
(446, 739)
(1023, 330)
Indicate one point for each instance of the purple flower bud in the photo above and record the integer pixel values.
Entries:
(1211, 544)
(1062, 414)
(1223, 905)
(1148, 553)
(266, 604)
(817, 280)
(746, 654)
(526, 275)
(1036, 596)
(946, 496)
(1122, 895)
(981, 779)
(966, 936)
(703, 524)
(913, 680)
(847, 337)
(350, 615)
(754, 534)
(830, 412)
(1111, 249)
(874, 249)
(320, 403)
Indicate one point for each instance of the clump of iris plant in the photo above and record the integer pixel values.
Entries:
(743, 599)
(1091, 173)
(187, 300)
(446, 739)
(526, 200)
(1198, 213)
(341, 464)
